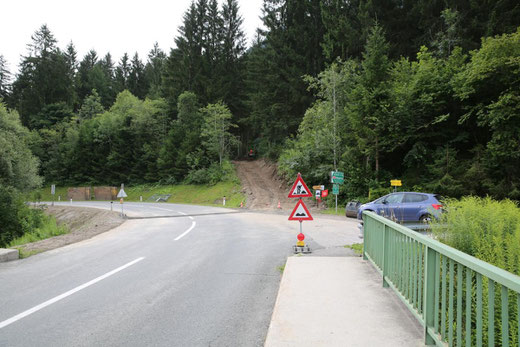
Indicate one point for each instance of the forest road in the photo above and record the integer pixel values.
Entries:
(262, 186)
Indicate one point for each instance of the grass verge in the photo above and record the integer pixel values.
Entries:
(47, 229)
(210, 195)
(191, 194)
(356, 247)
(332, 211)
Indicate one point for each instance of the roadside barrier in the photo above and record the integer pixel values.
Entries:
(459, 299)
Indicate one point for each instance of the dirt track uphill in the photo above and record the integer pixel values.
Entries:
(262, 186)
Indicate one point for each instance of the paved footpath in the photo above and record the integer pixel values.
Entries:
(338, 301)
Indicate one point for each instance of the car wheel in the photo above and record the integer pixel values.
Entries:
(425, 218)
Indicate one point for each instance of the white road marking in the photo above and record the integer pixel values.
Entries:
(66, 294)
(186, 232)
(185, 214)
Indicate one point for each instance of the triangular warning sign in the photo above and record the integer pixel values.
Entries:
(299, 189)
(300, 212)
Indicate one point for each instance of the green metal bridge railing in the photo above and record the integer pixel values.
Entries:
(446, 289)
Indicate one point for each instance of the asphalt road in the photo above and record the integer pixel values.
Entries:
(179, 275)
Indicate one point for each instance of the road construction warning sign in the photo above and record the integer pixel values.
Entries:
(300, 212)
(299, 189)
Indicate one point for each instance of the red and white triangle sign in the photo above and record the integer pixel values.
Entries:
(300, 212)
(299, 189)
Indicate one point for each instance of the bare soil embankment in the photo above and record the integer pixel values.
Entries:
(263, 186)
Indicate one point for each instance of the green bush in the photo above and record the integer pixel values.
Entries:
(17, 219)
(10, 205)
(212, 175)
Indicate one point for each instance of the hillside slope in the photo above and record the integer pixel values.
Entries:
(263, 187)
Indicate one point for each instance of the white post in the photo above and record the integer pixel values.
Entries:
(71, 201)
(141, 198)
(224, 201)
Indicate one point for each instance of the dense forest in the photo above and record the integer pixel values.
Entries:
(424, 91)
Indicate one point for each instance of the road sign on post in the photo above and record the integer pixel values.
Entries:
(300, 212)
(337, 177)
(122, 195)
(395, 184)
(299, 189)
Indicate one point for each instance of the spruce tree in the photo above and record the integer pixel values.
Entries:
(5, 78)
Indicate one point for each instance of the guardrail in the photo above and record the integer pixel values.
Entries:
(459, 299)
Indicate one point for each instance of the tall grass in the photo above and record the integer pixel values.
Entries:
(489, 230)
(48, 228)
(484, 228)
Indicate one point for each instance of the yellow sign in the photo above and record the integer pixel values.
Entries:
(300, 243)
(396, 183)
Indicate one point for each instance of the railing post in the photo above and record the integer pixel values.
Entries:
(429, 294)
(365, 238)
(384, 266)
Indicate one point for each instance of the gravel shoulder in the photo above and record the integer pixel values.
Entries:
(82, 222)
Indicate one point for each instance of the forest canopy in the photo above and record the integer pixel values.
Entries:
(423, 91)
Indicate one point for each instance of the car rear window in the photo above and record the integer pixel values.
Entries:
(415, 197)
(439, 197)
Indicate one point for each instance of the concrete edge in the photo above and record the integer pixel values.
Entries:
(8, 254)
(276, 303)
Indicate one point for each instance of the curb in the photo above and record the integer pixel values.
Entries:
(8, 254)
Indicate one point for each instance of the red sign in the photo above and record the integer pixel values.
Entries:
(299, 189)
(300, 212)
(324, 193)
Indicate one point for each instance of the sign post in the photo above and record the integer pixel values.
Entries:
(122, 195)
(300, 212)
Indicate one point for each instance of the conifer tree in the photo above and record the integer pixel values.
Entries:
(5, 77)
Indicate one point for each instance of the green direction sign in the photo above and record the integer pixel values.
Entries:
(337, 177)
(335, 189)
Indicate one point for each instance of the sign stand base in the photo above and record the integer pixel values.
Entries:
(301, 249)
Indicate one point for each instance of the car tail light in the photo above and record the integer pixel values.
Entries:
(436, 206)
